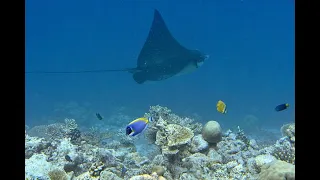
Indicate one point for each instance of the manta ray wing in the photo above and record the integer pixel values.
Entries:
(160, 46)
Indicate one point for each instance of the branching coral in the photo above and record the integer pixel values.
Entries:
(165, 113)
(71, 123)
(283, 150)
(241, 136)
(289, 131)
(74, 135)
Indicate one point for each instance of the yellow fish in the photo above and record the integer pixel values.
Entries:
(221, 107)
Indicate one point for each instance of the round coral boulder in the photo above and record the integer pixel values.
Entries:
(212, 132)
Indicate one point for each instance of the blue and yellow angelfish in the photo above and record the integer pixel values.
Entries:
(282, 107)
(137, 126)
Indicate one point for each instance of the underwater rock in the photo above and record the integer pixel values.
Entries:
(86, 176)
(58, 174)
(253, 144)
(289, 131)
(159, 160)
(36, 145)
(231, 164)
(33, 142)
(134, 160)
(68, 167)
(251, 166)
(123, 151)
(66, 148)
(198, 144)
(195, 160)
(28, 154)
(238, 172)
(214, 156)
(107, 175)
(153, 176)
(36, 167)
(277, 170)
(168, 151)
(186, 176)
(230, 149)
(212, 132)
(107, 156)
(160, 170)
(263, 159)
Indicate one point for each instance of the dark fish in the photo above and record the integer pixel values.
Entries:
(160, 58)
(282, 107)
(67, 157)
(123, 171)
(99, 116)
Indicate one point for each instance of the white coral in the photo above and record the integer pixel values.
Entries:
(198, 144)
(33, 142)
(66, 147)
(36, 167)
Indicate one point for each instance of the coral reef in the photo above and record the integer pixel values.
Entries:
(179, 149)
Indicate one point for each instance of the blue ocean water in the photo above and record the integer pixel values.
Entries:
(251, 64)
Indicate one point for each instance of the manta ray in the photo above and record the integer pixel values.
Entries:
(160, 58)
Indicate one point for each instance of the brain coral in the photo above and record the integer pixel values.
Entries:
(277, 170)
(212, 132)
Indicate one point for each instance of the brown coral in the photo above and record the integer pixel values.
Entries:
(277, 170)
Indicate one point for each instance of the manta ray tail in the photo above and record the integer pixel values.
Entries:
(130, 70)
